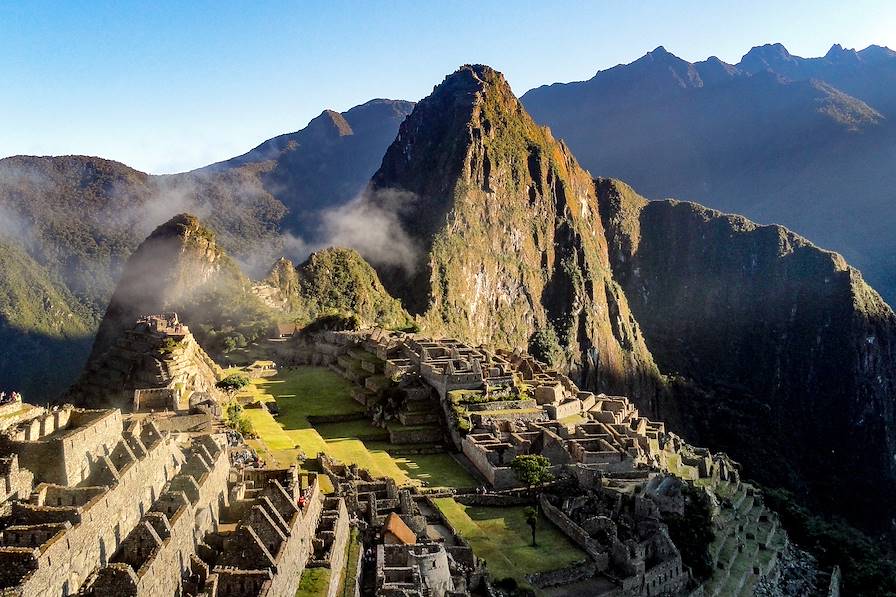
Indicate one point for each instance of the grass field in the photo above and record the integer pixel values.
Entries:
(503, 539)
(313, 391)
(314, 583)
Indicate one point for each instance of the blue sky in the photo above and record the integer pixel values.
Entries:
(169, 86)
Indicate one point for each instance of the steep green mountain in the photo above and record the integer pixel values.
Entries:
(337, 281)
(785, 357)
(806, 143)
(180, 268)
(41, 324)
(505, 234)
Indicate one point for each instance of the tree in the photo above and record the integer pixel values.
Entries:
(544, 345)
(232, 383)
(531, 470)
(531, 515)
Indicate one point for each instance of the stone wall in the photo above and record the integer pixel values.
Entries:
(415, 435)
(173, 539)
(498, 477)
(494, 499)
(337, 551)
(283, 576)
(563, 576)
(60, 446)
(98, 527)
(575, 533)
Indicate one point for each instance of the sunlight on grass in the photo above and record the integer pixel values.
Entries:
(502, 538)
(309, 391)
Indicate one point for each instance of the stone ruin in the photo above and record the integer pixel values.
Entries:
(97, 503)
(514, 405)
(426, 559)
(155, 366)
(104, 496)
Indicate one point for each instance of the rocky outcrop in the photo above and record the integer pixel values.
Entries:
(784, 356)
(149, 357)
(508, 235)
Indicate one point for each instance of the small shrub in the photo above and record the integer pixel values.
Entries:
(232, 383)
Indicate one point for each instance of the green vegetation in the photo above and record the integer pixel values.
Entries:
(314, 583)
(868, 569)
(233, 382)
(544, 345)
(45, 332)
(338, 283)
(468, 397)
(236, 419)
(532, 470)
(502, 537)
(312, 392)
(169, 345)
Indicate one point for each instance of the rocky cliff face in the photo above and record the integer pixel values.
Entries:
(804, 142)
(789, 353)
(508, 233)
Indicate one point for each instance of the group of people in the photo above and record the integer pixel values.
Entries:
(7, 397)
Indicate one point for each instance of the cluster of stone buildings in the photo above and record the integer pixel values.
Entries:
(155, 366)
(99, 503)
(500, 405)
(95, 502)
(411, 548)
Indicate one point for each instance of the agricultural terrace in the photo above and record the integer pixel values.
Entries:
(305, 392)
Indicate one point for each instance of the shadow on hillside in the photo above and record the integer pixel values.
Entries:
(39, 366)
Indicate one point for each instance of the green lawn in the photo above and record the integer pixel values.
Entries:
(502, 538)
(314, 583)
(314, 391)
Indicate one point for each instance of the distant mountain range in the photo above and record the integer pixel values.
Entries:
(808, 143)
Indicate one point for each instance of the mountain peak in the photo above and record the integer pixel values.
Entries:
(182, 225)
(765, 57)
(839, 53)
(329, 124)
(470, 79)
(875, 54)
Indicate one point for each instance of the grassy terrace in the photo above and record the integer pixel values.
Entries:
(314, 583)
(502, 537)
(312, 391)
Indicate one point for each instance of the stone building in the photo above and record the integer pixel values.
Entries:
(103, 501)
(264, 552)
(157, 365)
